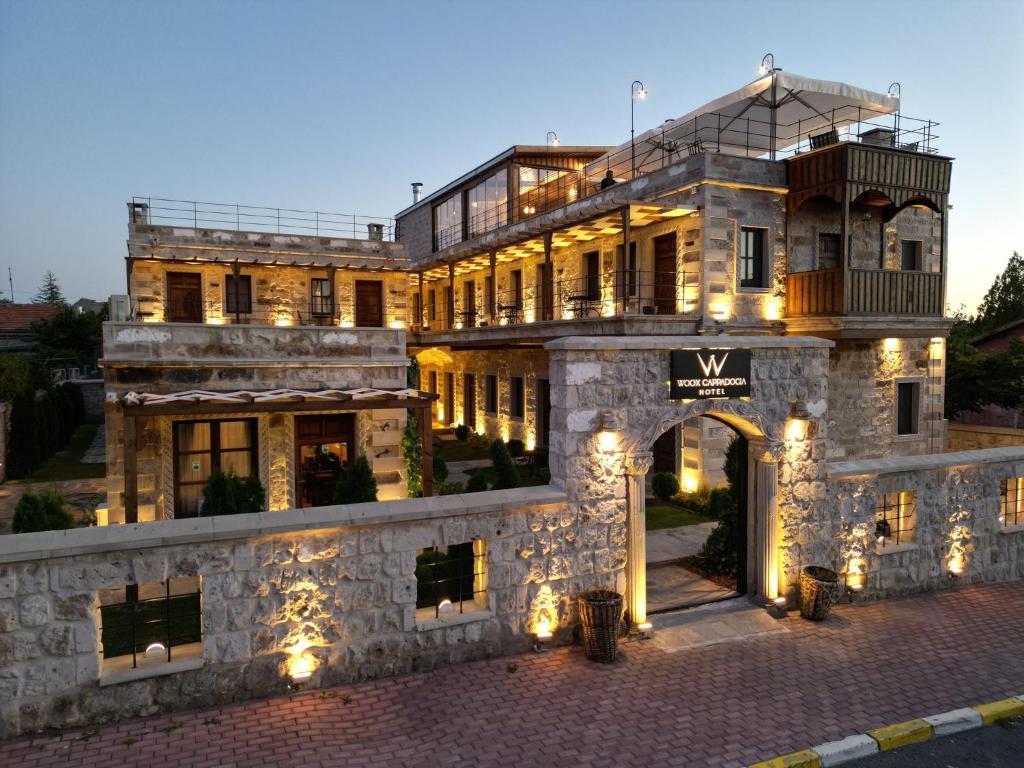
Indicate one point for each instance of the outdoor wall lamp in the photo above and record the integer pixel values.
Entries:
(543, 634)
(956, 566)
(882, 530)
(777, 607)
(552, 139)
(854, 584)
(767, 64)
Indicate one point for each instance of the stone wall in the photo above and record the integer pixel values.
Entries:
(334, 587)
(172, 357)
(968, 437)
(862, 402)
(957, 524)
(416, 232)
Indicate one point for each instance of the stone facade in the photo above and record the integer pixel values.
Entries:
(968, 437)
(337, 589)
(170, 357)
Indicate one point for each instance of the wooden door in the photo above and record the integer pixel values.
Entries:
(324, 445)
(665, 274)
(469, 400)
(664, 450)
(184, 297)
(369, 304)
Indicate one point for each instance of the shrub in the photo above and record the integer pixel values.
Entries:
(720, 501)
(540, 457)
(41, 512)
(516, 448)
(229, 494)
(477, 482)
(665, 485)
(697, 501)
(440, 470)
(722, 545)
(450, 489)
(508, 475)
(356, 484)
(462, 433)
(412, 452)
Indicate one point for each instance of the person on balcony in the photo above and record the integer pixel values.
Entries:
(608, 180)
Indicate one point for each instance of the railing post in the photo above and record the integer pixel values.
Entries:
(279, 221)
(238, 219)
(195, 216)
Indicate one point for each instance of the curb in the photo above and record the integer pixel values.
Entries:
(898, 735)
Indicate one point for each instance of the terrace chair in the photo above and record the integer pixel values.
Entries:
(694, 148)
(824, 139)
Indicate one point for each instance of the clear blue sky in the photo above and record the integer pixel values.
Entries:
(338, 106)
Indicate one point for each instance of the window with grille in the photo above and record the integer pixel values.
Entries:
(147, 625)
(828, 251)
(492, 393)
(1011, 501)
(451, 579)
(895, 518)
(752, 267)
(237, 295)
(517, 406)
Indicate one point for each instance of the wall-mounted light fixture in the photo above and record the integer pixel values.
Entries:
(882, 531)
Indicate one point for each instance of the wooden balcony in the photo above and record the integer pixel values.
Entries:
(824, 293)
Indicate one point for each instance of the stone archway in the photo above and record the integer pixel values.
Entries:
(764, 453)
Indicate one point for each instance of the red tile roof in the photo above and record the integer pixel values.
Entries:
(18, 317)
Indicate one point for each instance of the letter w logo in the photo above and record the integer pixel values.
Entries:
(712, 365)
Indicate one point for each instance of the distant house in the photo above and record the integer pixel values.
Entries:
(88, 305)
(994, 341)
(15, 325)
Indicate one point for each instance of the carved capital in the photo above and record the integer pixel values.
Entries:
(638, 463)
(768, 451)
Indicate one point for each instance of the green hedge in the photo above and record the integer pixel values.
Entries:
(41, 425)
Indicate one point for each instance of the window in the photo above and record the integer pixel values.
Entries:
(147, 625)
(469, 304)
(237, 295)
(448, 222)
(592, 275)
(491, 393)
(1011, 501)
(417, 310)
(451, 580)
(321, 297)
(488, 204)
(531, 178)
(910, 255)
(516, 400)
(432, 305)
(908, 398)
(895, 517)
(752, 267)
(204, 447)
(828, 251)
(489, 294)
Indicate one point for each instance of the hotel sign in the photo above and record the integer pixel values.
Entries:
(700, 374)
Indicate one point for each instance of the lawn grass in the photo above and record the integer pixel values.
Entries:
(66, 464)
(526, 477)
(662, 514)
(465, 450)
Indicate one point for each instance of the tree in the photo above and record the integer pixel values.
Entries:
(508, 475)
(229, 494)
(41, 512)
(49, 291)
(75, 337)
(1004, 301)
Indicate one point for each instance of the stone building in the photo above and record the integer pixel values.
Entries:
(770, 266)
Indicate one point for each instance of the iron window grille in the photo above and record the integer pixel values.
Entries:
(1011, 501)
(895, 517)
(149, 621)
(452, 577)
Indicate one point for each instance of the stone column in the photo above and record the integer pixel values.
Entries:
(636, 467)
(767, 510)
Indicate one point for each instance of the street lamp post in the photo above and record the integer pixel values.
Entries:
(636, 91)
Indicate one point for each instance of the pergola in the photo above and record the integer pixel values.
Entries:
(141, 405)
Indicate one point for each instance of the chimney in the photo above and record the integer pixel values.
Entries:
(416, 187)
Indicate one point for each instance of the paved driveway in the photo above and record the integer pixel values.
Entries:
(726, 704)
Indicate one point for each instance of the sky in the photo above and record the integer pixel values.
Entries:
(337, 107)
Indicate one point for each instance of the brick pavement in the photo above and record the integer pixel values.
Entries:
(722, 705)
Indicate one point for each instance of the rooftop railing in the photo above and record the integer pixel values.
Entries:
(713, 132)
(255, 218)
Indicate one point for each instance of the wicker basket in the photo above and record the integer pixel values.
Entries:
(819, 589)
(600, 614)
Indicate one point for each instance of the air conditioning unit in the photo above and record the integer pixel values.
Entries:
(119, 308)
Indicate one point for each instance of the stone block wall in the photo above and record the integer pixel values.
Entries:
(862, 409)
(957, 523)
(968, 437)
(335, 586)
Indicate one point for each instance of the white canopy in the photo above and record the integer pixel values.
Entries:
(779, 109)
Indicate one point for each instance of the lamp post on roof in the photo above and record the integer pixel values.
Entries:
(636, 91)
(551, 139)
(894, 93)
(768, 65)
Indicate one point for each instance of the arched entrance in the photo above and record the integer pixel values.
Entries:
(763, 452)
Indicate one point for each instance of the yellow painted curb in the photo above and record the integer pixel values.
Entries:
(999, 710)
(806, 758)
(901, 734)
